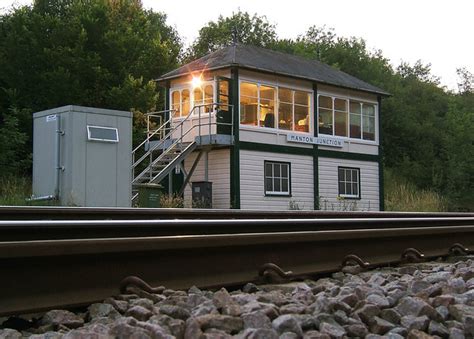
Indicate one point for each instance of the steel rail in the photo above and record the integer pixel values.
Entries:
(62, 272)
(72, 229)
(115, 213)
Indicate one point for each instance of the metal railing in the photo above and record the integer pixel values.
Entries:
(176, 131)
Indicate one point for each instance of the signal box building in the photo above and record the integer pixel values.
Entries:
(260, 129)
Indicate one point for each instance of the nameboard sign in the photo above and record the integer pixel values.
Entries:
(308, 139)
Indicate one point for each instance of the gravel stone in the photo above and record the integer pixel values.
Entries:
(62, 317)
(380, 326)
(287, 323)
(139, 313)
(438, 329)
(418, 323)
(356, 330)
(228, 324)
(258, 333)
(378, 300)
(367, 313)
(256, 320)
(99, 310)
(175, 312)
(391, 315)
(8, 333)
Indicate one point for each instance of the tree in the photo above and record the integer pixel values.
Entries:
(79, 52)
(241, 27)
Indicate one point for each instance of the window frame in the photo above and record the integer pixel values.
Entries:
(348, 100)
(277, 87)
(275, 193)
(191, 89)
(90, 138)
(345, 195)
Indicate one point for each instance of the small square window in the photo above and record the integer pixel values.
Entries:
(277, 178)
(349, 182)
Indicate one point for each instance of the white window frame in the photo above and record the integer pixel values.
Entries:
(348, 99)
(352, 170)
(190, 88)
(280, 178)
(277, 108)
(89, 137)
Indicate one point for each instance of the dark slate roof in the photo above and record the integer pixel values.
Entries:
(265, 60)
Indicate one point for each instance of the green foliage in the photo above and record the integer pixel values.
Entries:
(14, 190)
(252, 30)
(401, 195)
(100, 53)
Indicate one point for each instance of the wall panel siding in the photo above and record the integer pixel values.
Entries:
(219, 175)
(252, 194)
(328, 185)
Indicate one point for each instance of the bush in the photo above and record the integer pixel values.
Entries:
(401, 195)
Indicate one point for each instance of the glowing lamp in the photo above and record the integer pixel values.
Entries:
(196, 81)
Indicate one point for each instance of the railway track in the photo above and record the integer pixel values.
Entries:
(63, 263)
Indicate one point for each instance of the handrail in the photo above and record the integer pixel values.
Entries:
(182, 135)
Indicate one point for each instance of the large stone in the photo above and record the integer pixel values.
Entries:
(417, 286)
(139, 313)
(378, 300)
(9, 333)
(316, 335)
(57, 335)
(380, 326)
(456, 333)
(367, 312)
(256, 320)
(126, 328)
(175, 311)
(418, 323)
(333, 330)
(293, 309)
(356, 330)
(143, 302)
(287, 323)
(438, 329)
(437, 277)
(120, 305)
(349, 299)
(416, 307)
(102, 310)
(442, 300)
(228, 324)
(416, 334)
(258, 333)
(391, 315)
(62, 318)
(460, 311)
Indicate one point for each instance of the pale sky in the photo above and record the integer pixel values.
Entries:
(436, 32)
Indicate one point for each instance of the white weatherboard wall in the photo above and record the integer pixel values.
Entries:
(328, 185)
(252, 190)
(218, 174)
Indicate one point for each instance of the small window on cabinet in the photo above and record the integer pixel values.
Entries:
(349, 182)
(277, 178)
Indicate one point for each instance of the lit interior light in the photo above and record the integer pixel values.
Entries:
(196, 81)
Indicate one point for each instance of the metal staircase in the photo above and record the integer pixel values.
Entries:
(168, 143)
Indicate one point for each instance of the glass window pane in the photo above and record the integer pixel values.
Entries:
(268, 184)
(267, 113)
(208, 92)
(302, 118)
(277, 172)
(248, 89)
(285, 116)
(355, 126)
(325, 121)
(223, 95)
(355, 189)
(276, 185)
(348, 188)
(285, 95)
(355, 107)
(284, 186)
(268, 169)
(368, 109)
(342, 174)
(185, 102)
(198, 100)
(248, 111)
(302, 98)
(341, 123)
(325, 102)
(340, 104)
(284, 170)
(368, 128)
(342, 188)
(175, 103)
(267, 93)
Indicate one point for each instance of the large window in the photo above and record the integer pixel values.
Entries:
(274, 107)
(346, 118)
(277, 178)
(349, 182)
(182, 100)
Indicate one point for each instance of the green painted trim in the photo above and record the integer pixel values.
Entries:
(381, 178)
(235, 149)
(348, 155)
(167, 96)
(315, 149)
(254, 146)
